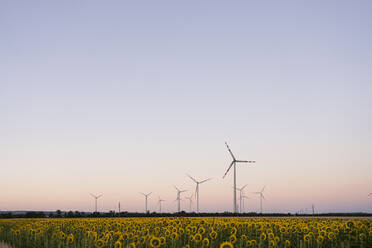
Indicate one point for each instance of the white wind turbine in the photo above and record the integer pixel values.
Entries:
(233, 163)
(241, 192)
(243, 207)
(159, 203)
(197, 190)
(96, 198)
(179, 198)
(190, 202)
(146, 196)
(261, 197)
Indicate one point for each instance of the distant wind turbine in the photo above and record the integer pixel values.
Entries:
(261, 197)
(159, 203)
(119, 207)
(241, 192)
(233, 163)
(190, 202)
(244, 197)
(146, 196)
(179, 198)
(96, 198)
(197, 190)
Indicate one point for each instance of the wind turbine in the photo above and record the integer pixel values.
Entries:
(244, 197)
(146, 196)
(179, 198)
(96, 198)
(197, 190)
(370, 194)
(190, 201)
(233, 163)
(119, 207)
(261, 197)
(159, 203)
(241, 196)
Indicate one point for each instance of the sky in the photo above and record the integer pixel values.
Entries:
(122, 97)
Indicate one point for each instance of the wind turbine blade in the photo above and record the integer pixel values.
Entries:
(149, 193)
(192, 178)
(176, 188)
(263, 197)
(99, 196)
(244, 187)
(245, 161)
(228, 168)
(256, 192)
(205, 180)
(142, 193)
(263, 188)
(92, 195)
(228, 148)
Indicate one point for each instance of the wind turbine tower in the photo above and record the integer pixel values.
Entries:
(197, 190)
(243, 207)
(179, 198)
(96, 198)
(159, 203)
(233, 163)
(241, 192)
(119, 207)
(146, 196)
(190, 202)
(261, 197)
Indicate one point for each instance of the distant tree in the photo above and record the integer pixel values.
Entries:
(58, 214)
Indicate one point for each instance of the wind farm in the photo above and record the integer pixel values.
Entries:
(185, 124)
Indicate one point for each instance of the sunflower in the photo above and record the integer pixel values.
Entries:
(307, 238)
(174, 236)
(205, 242)
(201, 230)
(331, 236)
(132, 245)
(117, 244)
(226, 245)
(232, 239)
(233, 231)
(213, 235)
(99, 243)
(350, 224)
(320, 239)
(271, 235)
(287, 243)
(155, 242)
(263, 236)
(243, 237)
(163, 240)
(271, 243)
(198, 237)
(70, 239)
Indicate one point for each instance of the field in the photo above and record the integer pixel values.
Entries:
(187, 232)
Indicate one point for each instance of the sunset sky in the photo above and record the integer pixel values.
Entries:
(122, 97)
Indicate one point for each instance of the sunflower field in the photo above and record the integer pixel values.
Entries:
(186, 232)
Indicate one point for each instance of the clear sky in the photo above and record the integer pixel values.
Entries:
(122, 97)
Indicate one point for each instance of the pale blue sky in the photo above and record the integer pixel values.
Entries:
(118, 97)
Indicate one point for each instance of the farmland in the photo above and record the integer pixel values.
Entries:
(187, 232)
